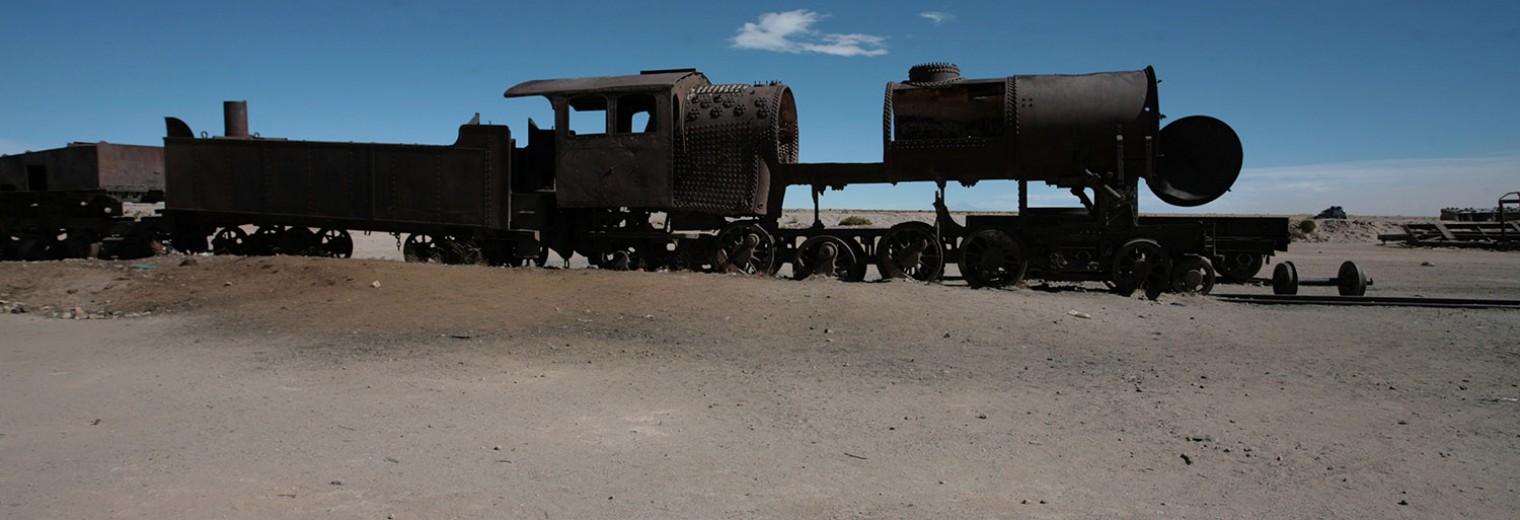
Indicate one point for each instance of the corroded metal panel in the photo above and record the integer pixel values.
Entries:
(714, 156)
(116, 168)
(463, 184)
(733, 135)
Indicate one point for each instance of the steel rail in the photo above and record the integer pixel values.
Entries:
(1388, 301)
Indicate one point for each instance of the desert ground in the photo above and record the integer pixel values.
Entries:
(291, 387)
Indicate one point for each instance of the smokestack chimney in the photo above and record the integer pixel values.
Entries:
(235, 116)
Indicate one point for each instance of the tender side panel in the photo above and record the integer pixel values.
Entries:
(129, 168)
(360, 185)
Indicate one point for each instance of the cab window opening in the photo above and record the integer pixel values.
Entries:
(588, 115)
(635, 114)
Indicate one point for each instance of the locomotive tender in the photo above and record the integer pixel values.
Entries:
(677, 172)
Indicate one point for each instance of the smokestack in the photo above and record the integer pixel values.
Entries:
(235, 116)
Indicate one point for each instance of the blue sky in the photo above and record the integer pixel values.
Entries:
(1381, 107)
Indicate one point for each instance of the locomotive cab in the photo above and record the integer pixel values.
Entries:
(667, 140)
(613, 137)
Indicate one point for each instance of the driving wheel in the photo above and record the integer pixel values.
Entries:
(829, 257)
(992, 258)
(911, 250)
(1141, 262)
(746, 248)
(1193, 274)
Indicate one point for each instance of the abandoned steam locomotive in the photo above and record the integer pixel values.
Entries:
(684, 173)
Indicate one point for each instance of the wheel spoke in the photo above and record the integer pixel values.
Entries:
(992, 258)
(745, 248)
(911, 250)
(1140, 262)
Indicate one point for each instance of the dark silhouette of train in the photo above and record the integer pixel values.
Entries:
(666, 170)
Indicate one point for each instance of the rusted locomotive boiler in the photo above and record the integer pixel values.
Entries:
(1094, 134)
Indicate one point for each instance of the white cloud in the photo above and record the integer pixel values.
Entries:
(937, 17)
(792, 32)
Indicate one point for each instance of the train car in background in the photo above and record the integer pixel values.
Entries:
(70, 202)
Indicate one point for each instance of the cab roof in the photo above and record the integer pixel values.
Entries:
(572, 86)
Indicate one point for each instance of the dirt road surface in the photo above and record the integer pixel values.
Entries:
(283, 387)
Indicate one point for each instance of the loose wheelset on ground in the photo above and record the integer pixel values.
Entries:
(1350, 280)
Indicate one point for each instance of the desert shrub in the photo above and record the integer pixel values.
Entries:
(1307, 226)
(855, 221)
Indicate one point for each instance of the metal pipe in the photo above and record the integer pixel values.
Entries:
(235, 117)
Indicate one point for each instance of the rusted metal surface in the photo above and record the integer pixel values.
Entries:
(1494, 235)
(360, 185)
(732, 138)
(128, 170)
(669, 141)
(1091, 131)
(235, 118)
(1498, 229)
(665, 170)
(1050, 128)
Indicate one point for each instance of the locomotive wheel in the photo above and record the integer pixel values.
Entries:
(1351, 280)
(911, 250)
(298, 240)
(538, 260)
(229, 241)
(992, 258)
(1193, 274)
(828, 257)
(420, 248)
(33, 248)
(745, 248)
(264, 241)
(1240, 267)
(624, 257)
(81, 244)
(1285, 279)
(1141, 262)
(336, 243)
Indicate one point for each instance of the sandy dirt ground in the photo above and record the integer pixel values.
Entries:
(286, 387)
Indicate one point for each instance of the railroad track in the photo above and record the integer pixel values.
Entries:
(1385, 301)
